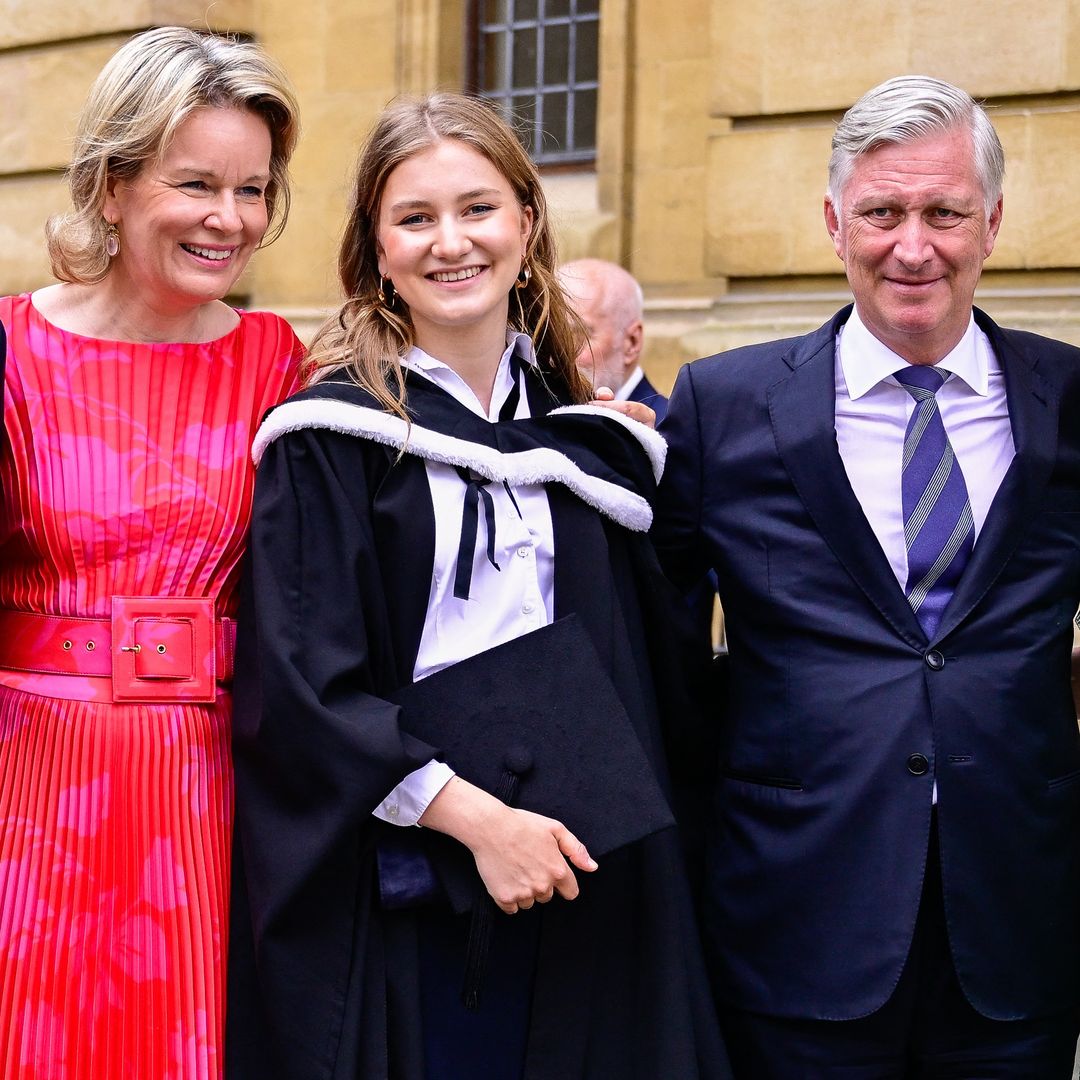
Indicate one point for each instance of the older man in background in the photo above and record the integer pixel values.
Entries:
(609, 302)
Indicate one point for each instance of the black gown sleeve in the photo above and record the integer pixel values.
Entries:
(315, 750)
(676, 531)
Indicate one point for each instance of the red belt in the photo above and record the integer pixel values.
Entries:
(154, 648)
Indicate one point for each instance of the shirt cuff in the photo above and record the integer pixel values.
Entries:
(406, 804)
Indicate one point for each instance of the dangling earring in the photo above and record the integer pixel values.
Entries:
(524, 277)
(385, 297)
(112, 241)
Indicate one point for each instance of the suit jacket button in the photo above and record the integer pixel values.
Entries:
(934, 660)
(917, 764)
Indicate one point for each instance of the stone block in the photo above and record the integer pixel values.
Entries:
(1015, 236)
(790, 58)
(582, 228)
(1070, 46)
(666, 32)
(785, 57)
(1042, 203)
(360, 50)
(738, 33)
(44, 90)
(1042, 190)
(26, 203)
(765, 192)
(683, 125)
(666, 230)
(991, 49)
(295, 35)
(46, 21)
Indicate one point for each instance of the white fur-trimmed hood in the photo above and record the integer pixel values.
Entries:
(537, 466)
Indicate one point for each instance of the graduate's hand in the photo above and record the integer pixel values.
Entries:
(523, 859)
(521, 856)
(605, 396)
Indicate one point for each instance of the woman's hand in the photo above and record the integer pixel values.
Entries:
(605, 396)
(521, 856)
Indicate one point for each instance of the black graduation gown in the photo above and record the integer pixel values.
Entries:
(322, 980)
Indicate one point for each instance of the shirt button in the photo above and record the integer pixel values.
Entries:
(527, 608)
(392, 810)
(523, 552)
(934, 660)
(917, 764)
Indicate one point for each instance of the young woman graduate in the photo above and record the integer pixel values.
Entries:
(426, 500)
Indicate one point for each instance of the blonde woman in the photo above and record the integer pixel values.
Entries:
(132, 393)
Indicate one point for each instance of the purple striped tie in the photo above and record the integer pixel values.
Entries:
(938, 528)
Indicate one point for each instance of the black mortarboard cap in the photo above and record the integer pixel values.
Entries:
(537, 722)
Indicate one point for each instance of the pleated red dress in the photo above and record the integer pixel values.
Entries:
(125, 471)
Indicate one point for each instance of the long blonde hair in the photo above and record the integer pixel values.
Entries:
(149, 87)
(370, 332)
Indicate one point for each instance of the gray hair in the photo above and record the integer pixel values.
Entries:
(622, 296)
(150, 86)
(912, 107)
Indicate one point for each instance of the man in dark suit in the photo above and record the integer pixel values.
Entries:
(892, 507)
(609, 302)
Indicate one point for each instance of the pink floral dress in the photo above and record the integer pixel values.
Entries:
(125, 471)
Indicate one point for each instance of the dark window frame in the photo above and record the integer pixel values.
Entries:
(573, 152)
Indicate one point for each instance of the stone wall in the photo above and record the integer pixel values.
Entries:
(762, 102)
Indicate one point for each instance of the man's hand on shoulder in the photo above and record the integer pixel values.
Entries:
(605, 396)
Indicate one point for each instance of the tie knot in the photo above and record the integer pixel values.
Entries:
(921, 377)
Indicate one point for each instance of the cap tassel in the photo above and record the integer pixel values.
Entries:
(483, 912)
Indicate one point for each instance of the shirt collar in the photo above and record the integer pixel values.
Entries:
(517, 344)
(866, 361)
(630, 385)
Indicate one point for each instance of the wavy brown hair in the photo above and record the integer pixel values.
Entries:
(369, 333)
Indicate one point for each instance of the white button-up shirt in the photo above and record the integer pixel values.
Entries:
(503, 604)
(872, 413)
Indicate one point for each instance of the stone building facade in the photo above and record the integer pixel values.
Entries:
(714, 120)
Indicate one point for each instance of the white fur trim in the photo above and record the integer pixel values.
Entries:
(540, 466)
(651, 441)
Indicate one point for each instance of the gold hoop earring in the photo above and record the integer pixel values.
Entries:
(386, 292)
(112, 241)
(524, 277)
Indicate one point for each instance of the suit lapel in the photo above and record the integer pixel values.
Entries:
(1033, 408)
(802, 409)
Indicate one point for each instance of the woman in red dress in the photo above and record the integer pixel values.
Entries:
(131, 394)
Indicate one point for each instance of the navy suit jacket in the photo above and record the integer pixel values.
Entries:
(821, 827)
(647, 394)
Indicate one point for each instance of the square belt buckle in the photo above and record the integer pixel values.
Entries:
(164, 649)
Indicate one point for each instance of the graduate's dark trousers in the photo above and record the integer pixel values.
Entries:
(490, 1041)
(926, 1030)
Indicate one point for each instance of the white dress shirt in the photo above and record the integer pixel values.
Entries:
(872, 413)
(630, 384)
(503, 604)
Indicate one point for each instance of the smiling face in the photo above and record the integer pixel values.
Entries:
(913, 233)
(189, 222)
(452, 238)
